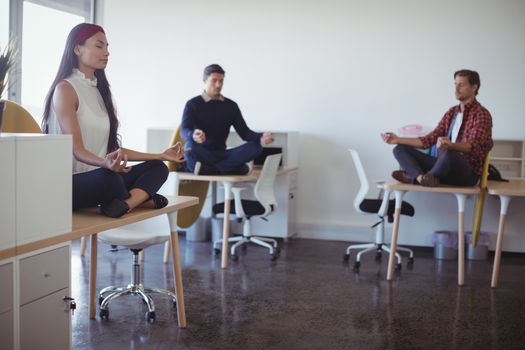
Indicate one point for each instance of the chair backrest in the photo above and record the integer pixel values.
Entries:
(264, 188)
(187, 216)
(172, 166)
(477, 218)
(363, 190)
(17, 119)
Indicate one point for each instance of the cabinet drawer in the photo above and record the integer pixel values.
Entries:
(43, 274)
(45, 323)
(6, 287)
(7, 330)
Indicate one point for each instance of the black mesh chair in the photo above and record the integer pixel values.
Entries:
(384, 207)
(245, 210)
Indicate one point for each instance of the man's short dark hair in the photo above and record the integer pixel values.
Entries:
(473, 77)
(212, 68)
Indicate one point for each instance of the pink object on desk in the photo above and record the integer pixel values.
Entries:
(411, 130)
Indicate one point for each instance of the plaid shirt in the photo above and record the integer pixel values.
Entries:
(476, 129)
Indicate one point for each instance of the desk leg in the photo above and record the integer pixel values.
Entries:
(226, 226)
(505, 200)
(177, 276)
(393, 244)
(93, 276)
(461, 198)
(82, 246)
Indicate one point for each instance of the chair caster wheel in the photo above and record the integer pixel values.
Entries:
(150, 316)
(100, 300)
(174, 302)
(410, 263)
(104, 314)
(277, 249)
(398, 267)
(216, 251)
(234, 257)
(357, 264)
(346, 258)
(274, 256)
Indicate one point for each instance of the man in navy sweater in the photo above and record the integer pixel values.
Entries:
(206, 124)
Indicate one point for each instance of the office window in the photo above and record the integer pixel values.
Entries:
(41, 28)
(42, 49)
(4, 23)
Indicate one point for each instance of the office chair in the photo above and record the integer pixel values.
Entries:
(136, 237)
(245, 210)
(380, 207)
(17, 119)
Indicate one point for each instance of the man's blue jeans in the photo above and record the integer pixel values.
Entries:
(450, 167)
(223, 160)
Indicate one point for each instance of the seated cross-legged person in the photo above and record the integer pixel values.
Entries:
(79, 103)
(463, 139)
(206, 124)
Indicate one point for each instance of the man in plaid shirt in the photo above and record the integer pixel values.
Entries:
(463, 139)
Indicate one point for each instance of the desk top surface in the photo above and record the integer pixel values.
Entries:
(231, 178)
(439, 189)
(90, 221)
(514, 188)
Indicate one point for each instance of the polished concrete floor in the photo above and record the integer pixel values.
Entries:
(307, 299)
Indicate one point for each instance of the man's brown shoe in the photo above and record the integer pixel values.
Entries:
(429, 180)
(401, 176)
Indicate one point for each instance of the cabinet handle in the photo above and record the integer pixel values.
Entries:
(71, 305)
(46, 274)
(290, 195)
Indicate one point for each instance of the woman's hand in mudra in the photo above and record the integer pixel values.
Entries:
(175, 153)
(117, 161)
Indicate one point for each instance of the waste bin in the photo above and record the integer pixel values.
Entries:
(481, 250)
(445, 245)
(197, 232)
(216, 228)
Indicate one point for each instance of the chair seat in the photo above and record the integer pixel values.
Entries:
(250, 207)
(373, 205)
(133, 239)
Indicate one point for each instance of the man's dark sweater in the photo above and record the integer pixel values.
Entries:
(215, 118)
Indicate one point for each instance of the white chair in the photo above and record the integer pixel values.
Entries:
(137, 237)
(263, 206)
(382, 208)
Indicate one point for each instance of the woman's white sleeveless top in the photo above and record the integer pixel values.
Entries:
(92, 118)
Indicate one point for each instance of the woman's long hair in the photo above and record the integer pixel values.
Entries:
(67, 64)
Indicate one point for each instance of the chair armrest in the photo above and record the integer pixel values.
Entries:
(239, 210)
(384, 204)
(380, 183)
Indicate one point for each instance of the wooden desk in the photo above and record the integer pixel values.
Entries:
(505, 191)
(91, 222)
(228, 181)
(461, 194)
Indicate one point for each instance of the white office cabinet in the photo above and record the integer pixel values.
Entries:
(44, 273)
(45, 318)
(281, 223)
(6, 305)
(7, 330)
(7, 191)
(508, 156)
(45, 323)
(158, 139)
(35, 204)
(43, 186)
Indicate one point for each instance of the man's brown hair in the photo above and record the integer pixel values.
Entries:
(473, 77)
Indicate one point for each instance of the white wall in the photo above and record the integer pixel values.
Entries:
(338, 71)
